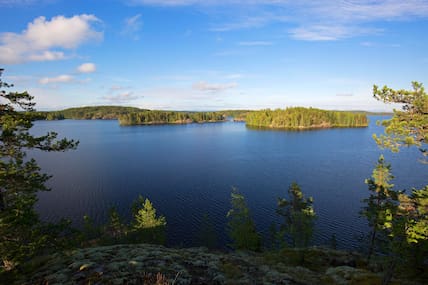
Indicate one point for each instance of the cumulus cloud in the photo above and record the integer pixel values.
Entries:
(87, 67)
(46, 40)
(207, 87)
(132, 27)
(58, 79)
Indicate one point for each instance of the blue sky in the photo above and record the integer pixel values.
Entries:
(211, 55)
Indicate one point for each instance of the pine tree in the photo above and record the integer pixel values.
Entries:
(407, 224)
(116, 230)
(241, 228)
(147, 226)
(398, 222)
(408, 127)
(379, 203)
(145, 215)
(22, 234)
(299, 216)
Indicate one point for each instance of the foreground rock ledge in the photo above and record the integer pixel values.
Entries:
(152, 264)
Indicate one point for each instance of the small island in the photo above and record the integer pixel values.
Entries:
(300, 118)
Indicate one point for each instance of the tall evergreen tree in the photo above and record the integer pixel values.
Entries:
(115, 230)
(299, 216)
(406, 220)
(378, 205)
(21, 232)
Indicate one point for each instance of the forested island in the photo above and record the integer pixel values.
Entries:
(169, 117)
(299, 118)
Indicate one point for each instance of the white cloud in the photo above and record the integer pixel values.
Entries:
(16, 2)
(329, 33)
(58, 79)
(204, 86)
(361, 9)
(132, 27)
(314, 20)
(87, 67)
(247, 22)
(45, 40)
(120, 94)
(47, 56)
(377, 44)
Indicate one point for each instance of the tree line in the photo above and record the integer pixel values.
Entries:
(169, 117)
(290, 118)
(131, 116)
(86, 113)
(304, 118)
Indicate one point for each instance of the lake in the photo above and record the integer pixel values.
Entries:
(188, 171)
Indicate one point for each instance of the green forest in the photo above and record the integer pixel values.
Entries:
(305, 118)
(87, 113)
(132, 116)
(169, 117)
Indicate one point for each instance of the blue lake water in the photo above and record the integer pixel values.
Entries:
(188, 171)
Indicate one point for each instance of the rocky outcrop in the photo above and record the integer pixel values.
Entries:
(152, 264)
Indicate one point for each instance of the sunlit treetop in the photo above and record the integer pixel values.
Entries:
(409, 126)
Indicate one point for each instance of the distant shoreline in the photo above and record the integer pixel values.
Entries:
(130, 116)
(302, 129)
